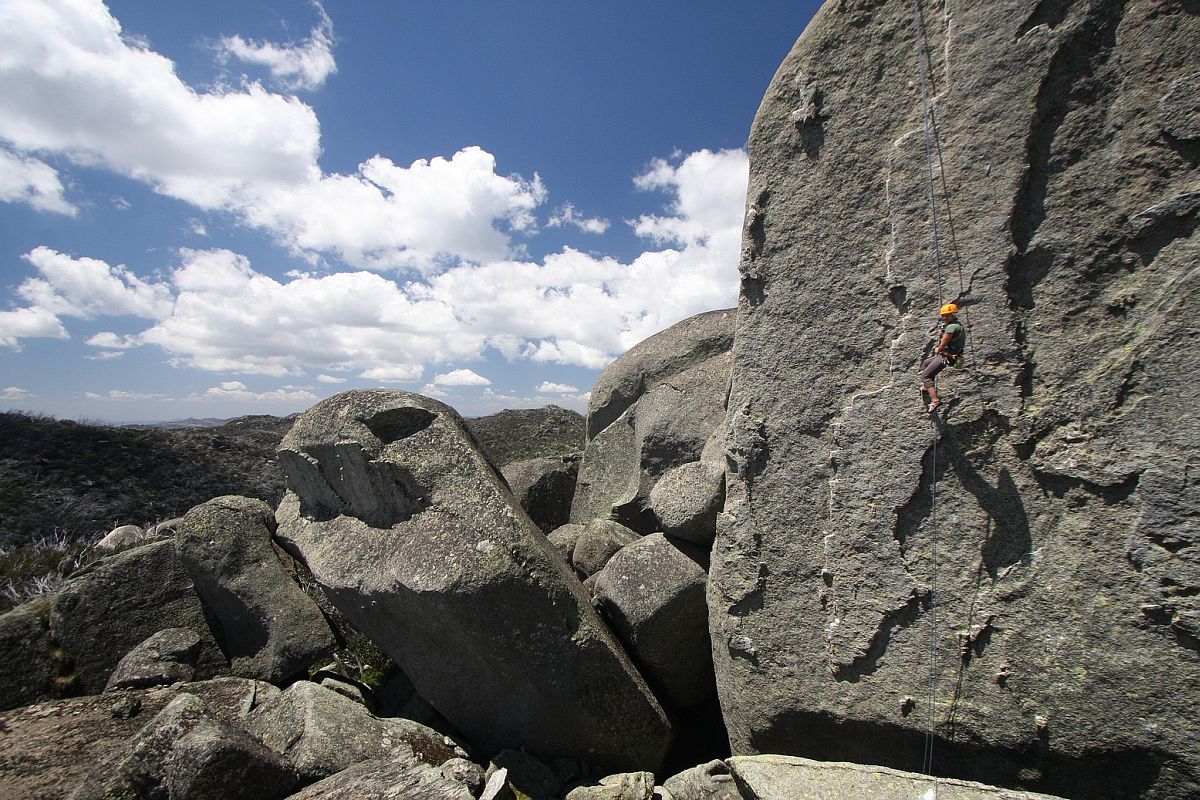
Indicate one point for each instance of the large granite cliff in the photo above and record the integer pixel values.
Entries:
(1058, 633)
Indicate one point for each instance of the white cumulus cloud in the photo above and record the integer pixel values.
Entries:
(120, 395)
(29, 323)
(403, 373)
(217, 313)
(13, 393)
(557, 388)
(28, 180)
(330, 379)
(72, 84)
(303, 65)
(85, 288)
(705, 186)
(568, 215)
(236, 390)
(460, 377)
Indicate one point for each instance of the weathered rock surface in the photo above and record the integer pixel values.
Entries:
(597, 543)
(413, 535)
(623, 786)
(669, 409)
(112, 605)
(711, 781)
(219, 760)
(1067, 578)
(653, 593)
(269, 628)
(122, 536)
(544, 488)
(27, 663)
(167, 657)
(321, 732)
(656, 360)
(186, 751)
(564, 537)
(468, 773)
(519, 434)
(388, 778)
(48, 747)
(686, 500)
(770, 777)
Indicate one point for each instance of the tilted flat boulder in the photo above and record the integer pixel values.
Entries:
(650, 362)
(710, 781)
(322, 732)
(665, 426)
(653, 593)
(524, 776)
(771, 777)
(623, 786)
(167, 657)
(413, 535)
(1060, 621)
(388, 778)
(270, 629)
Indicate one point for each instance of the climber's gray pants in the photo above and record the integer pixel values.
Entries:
(930, 367)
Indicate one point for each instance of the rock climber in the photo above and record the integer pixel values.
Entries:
(947, 353)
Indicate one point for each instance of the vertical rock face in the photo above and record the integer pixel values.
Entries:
(1060, 625)
(415, 538)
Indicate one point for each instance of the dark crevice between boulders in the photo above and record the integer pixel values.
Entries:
(700, 737)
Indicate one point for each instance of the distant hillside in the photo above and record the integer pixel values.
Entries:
(61, 478)
(190, 422)
(520, 434)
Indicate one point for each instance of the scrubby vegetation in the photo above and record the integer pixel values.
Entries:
(66, 481)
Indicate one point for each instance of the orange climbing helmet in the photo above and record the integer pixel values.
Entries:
(949, 308)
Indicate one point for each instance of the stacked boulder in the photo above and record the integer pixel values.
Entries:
(652, 411)
(650, 484)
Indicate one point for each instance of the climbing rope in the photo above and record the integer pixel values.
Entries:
(923, 66)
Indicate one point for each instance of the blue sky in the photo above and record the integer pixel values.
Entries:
(225, 208)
